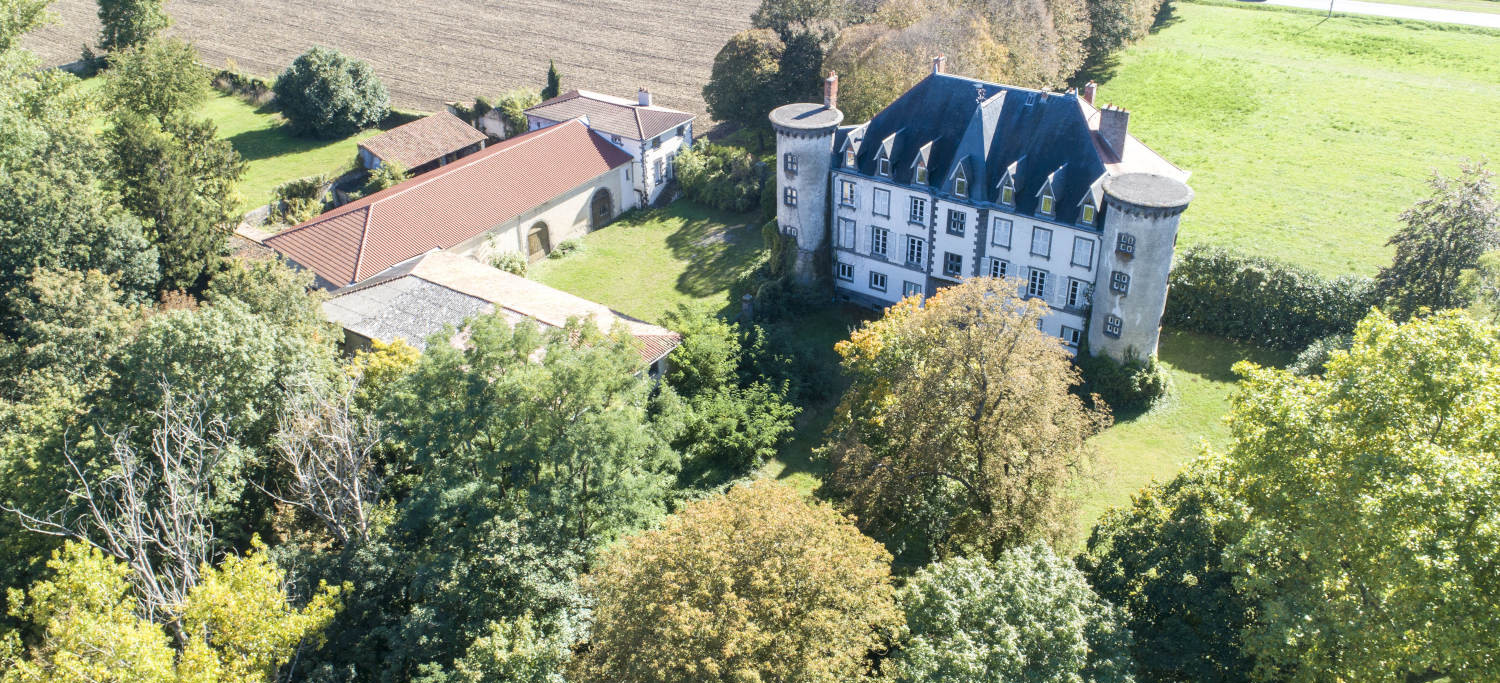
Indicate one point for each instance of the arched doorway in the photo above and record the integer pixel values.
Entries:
(537, 243)
(602, 209)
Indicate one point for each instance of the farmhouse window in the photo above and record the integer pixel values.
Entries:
(1119, 283)
(1000, 235)
(789, 162)
(789, 196)
(953, 264)
(879, 241)
(1047, 203)
(999, 267)
(845, 271)
(956, 222)
(918, 213)
(1083, 252)
(1036, 285)
(1041, 242)
(916, 252)
(877, 281)
(661, 168)
(882, 202)
(847, 196)
(1126, 243)
(1113, 325)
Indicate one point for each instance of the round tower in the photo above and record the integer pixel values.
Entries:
(1140, 235)
(804, 157)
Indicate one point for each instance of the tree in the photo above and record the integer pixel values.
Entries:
(1480, 285)
(757, 584)
(743, 86)
(389, 175)
(1028, 616)
(1443, 236)
(129, 23)
(516, 651)
(238, 625)
(327, 95)
(1162, 561)
(1370, 553)
(512, 108)
(19, 17)
(820, 17)
(329, 450)
(709, 356)
(280, 295)
(160, 78)
(554, 82)
(1114, 24)
(799, 71)
(958, 434)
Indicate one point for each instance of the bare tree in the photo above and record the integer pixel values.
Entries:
(329, 450)
(150, 511)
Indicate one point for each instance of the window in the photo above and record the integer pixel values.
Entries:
(911, 289)
(960, 184)
(1041, 242)
(1113, 325)
(956, 221)
(615, 139)
(846, 193)
(844, 237)
(789, 162)
(882, 202)
(999, 267)
(1078, 293)
(1036, 285)
(849, 158)
(844, 271)
(1119, 283)
(1047, 203)
(953, 264)
(1071, 336)
(1000, 234)
(661, 168)
(920, 176)
(916, 251)
(681, 130)
(1008, 192)
(1126, 244)
(1083, 252)
(627, 171)
(1030, 98)
(877, 281)
(918, 212)
(879, 241)
(883, 166)
(789, 196)
(1087, 216)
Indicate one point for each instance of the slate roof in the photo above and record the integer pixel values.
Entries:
(612, 115)
(424, 140)
(987, 128)
(450, 205)
(419, 298)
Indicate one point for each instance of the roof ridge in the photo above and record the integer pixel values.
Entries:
(639, 127)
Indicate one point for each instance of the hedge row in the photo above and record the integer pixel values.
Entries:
(1261, 300)
(725, 178)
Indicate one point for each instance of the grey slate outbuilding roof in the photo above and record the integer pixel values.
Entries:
(988, 129)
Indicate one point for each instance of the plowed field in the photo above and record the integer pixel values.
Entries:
(432, 51)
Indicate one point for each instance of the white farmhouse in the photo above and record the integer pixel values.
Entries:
(961, 178)
(653, 135)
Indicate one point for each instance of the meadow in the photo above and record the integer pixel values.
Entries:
(1307, 137)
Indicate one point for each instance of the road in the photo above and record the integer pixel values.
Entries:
(1381, 9)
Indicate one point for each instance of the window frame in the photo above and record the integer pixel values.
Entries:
(1078, 293)
(884, 281)
(880, 242)
(883, 166)
(959, 176)
(1010, 226)
(913, 214)
(1008, 192)
(875, 202)
(849, 158)
(950, 269)
(1088, 214)
(919, 175)
(840, 268)
(999, 267)
(1071, 336)
(789, 163)
(1114, 326)
(1125, 244)
(1119, 282)
(962, 219)
(918, 245)
(1048, 205)
(848, 194)
(845, 228)
(1047, 250)
(1089, 260)
(1036, 283)
(789, 196)
(909, 288)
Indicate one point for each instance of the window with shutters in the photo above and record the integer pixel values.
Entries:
(847, 193)
(882, 203)
(1036, 285)
(1000, 233)
(844, 236)
(1083, 252)
(999, 267)
(1113, 326)
(879, 242)
(916, 252)
(918, 212)
(1078, 293)
(1041, 242)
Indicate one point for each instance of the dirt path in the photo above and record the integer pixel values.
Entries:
(454, 49)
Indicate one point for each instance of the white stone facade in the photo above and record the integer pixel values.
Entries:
(653, 157)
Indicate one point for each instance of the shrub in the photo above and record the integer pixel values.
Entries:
(231, 82)
(565, 247)
(1261, 300)
(513, 262)
(724, 178)
(298, 201)
(1133, 385)
(389, 175)
(326, 94)
(512, 107)
(1316, 355)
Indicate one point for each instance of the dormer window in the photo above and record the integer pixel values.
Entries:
(883, 166)
(849, 158)
(920, 177)
(1086, 217)
(1046, 206)
(1008, 192)
(960, 183)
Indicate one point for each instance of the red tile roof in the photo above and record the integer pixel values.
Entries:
(613, 115)
(450, 205)
(424, 140)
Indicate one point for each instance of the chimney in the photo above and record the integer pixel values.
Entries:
(643, 97)
(1088, 91)
(1114, 123)
(831, 91)
(939, 63)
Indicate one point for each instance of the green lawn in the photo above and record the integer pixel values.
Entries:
(648, 262)
(1307, 137)
(1154, 445)
(1483, 6)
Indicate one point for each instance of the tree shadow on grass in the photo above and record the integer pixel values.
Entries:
(265, 143)
(719, 249)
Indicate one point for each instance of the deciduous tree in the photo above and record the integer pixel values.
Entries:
(1371, 549)
(327, 95)
(1480, 285)
(128, 23)
(19, 17)
(1443, 236)
(743, 86)
(958, 434)
(1028, 616)
(757, 584)
(160, 78)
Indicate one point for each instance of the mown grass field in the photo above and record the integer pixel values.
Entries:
(1484, 6)
(1307, 137)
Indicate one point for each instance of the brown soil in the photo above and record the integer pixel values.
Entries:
(432, 51)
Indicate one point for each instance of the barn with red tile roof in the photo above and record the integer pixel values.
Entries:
(652, 134)
(424, 144)
(525, 195)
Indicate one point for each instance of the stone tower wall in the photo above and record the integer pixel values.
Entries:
(1140, 310)
(808, 221)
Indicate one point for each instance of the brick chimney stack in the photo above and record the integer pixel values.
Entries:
(1088, 91)
(939, 63)
(643, 97)
(1114, 125)
(831, 91)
